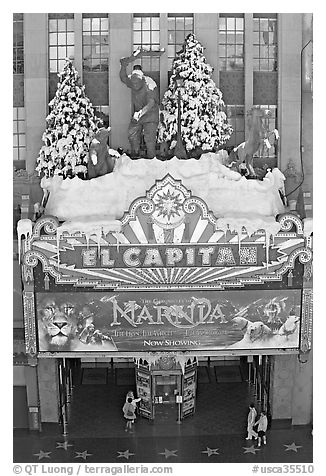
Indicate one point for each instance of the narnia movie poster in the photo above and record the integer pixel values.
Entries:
(162, 321)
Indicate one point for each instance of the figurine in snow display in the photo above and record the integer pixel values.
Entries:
(204, 124)
(259, 139)
(145, 104)
(100, 162)
(70, 128)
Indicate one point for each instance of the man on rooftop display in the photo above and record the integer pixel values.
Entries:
(145, 104)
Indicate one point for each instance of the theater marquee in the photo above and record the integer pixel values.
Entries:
(179, 321)
(168, 275)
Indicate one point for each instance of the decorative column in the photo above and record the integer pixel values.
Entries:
(30, 344)
(36, 83)
(119, 94)
(48, 382)
(289, 91)
(302, 400)
(34, 419)
(78, 54)
(206, 31)
(164, 83)
(282, 387)
(303, 384)
(307, 102)
(248, 66)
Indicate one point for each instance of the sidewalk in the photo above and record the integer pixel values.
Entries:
(283, 446)
(214, 434)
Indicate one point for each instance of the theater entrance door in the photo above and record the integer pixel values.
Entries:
(166, 387)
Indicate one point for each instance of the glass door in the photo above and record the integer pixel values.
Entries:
(165, 389)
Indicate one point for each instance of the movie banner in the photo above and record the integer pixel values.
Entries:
(162, 321)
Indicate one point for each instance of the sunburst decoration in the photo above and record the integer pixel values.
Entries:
(168, 205)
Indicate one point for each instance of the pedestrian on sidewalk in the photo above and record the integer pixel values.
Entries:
(129, 413)
(134, 402)
(131, 395)
(252, 415)
(262, 427)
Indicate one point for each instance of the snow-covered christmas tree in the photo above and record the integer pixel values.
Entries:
(70, 127)
(204, 125)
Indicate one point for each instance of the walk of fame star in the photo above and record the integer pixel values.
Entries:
(168, 453)
(250, 449)
(292, 447)
(82, 454)
(64, 445)
(42, 454)
(125, 454)
(211, 451)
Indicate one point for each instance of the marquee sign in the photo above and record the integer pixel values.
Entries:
(160, 321)
(158, 256)
(167, 240)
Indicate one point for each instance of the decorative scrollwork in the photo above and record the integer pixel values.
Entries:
(192, 203)
(305, 256)
(190, 206)
(48, 222)
(288, 220)
(147, 207)
(130, 215)
(31, 258)
(166, 362)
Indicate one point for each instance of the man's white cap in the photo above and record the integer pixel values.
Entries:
(138, 72)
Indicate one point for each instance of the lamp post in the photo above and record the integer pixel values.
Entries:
(179, 150)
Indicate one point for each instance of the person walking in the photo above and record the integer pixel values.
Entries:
(129, 413)
(134, 402)
(251, 422)
(262, 427)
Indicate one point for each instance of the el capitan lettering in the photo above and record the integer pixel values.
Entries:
(170, 256)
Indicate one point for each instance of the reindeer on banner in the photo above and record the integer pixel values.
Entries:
(259, 139)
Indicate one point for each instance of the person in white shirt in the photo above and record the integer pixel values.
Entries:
(262, 427)
(251, 421)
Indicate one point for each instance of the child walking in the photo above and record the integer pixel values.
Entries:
(129, 413)
(262, 427)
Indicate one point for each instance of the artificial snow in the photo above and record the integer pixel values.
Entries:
(226, 193)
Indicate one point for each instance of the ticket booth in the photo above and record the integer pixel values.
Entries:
(168, 391)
